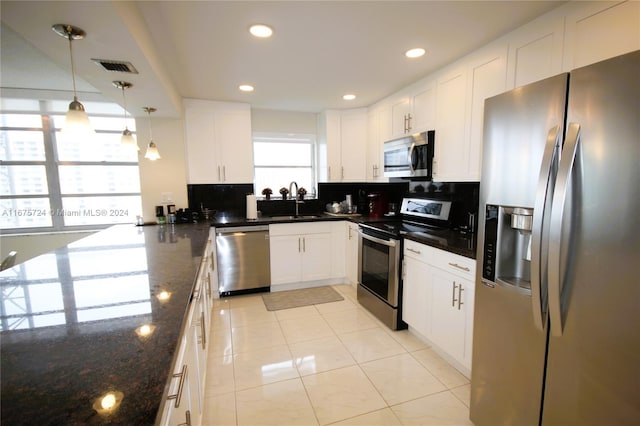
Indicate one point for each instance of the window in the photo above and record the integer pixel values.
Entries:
(280, 159)
(49, 183)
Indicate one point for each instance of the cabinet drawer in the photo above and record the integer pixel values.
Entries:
(418, 251)
(453, 263)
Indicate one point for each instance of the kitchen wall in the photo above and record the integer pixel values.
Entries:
(163, 181)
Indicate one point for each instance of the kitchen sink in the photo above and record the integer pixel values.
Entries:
(292, 217)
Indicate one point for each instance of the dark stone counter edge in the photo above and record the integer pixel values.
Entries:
(453, 244)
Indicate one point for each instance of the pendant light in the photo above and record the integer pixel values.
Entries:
(152, 150)
(127, 140)
(76, 123)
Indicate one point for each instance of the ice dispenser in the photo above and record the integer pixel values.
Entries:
(507, 247)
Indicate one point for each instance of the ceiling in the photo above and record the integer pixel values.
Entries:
(320, 50)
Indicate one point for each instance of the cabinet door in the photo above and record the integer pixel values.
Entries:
(449, 312)
(423, 116)
(286, 262)
(201, 152)
(400, 115)
(450, 127)
(416, 296)
(378, 124)
(177, 410)
(352, 253)
(332, 131)
(601, 30)
(353, 143)
(316, 255)
(233, 136)
(487, 77)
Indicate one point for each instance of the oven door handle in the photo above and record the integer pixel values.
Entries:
(388, 243)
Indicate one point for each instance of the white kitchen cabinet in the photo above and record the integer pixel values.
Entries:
(535, 52)
(300, 252)
(352, 252)
(344, 133)
(416, 111)
(438, 299)
(452, 292)
(416, 291)
(452, 311)
(487, 77)
(219, 147)
(451, 130)
(178, 406)
(601, 30)
(378, 123)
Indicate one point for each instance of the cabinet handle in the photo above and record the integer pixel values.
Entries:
(299, 245)
(404, 269)
(204, 331)
(460, 290)
(224, 173)
(409, 117)
(209, 285)
(219, 179)
(304, 245)
(329, 172)
(183, 377)
(342, 172)
(187, 420)
(453, 296)
(414, 250)
(375, 171)
(455, 265)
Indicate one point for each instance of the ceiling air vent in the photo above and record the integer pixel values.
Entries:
(117, 66)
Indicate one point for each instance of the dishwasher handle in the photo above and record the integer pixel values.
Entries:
(230, 230)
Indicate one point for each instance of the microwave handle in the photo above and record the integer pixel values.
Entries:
(410, 158)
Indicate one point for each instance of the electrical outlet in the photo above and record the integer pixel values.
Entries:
(167, 197)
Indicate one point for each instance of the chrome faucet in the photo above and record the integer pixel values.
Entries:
(294, 195)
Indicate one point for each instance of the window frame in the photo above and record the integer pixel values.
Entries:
(290, 138)
(51, 164)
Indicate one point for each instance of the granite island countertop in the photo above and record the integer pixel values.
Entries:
(69, 321)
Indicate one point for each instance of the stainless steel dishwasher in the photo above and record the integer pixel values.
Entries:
(243, 259)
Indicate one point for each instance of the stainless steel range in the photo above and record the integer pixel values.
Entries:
(380, 255)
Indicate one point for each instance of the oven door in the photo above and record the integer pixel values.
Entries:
(378, 266)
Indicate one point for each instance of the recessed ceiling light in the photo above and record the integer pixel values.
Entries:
(246, 88)
(415, 53)
(261, 30)
(349, 97)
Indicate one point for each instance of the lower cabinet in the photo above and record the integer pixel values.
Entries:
(185, 402)
(299, 253)
(438, 298)
(452, 313)
(180, 402)
(352, 253)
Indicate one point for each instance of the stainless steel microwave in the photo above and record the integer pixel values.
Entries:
(410, 156)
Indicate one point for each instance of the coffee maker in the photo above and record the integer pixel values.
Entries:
(377, 204)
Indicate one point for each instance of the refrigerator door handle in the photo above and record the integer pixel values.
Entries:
(555, 232)
(543, 195)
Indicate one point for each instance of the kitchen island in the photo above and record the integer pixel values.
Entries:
(73, 325)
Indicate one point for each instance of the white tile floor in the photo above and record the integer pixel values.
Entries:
(325, 364)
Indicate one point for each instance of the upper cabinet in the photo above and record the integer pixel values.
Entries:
(535, 52)
(414, 111)
(343, 137)
(379, 129)
(601, 30)
(218, 142)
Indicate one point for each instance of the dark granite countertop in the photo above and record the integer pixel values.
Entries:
(69, 321)
(451, 241)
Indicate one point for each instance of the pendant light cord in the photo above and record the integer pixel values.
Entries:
(73, 71)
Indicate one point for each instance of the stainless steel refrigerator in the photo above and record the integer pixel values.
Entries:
(557, 309)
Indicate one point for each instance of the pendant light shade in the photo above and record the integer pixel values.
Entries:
(127, 140)
(76, 123)
(152, 150)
